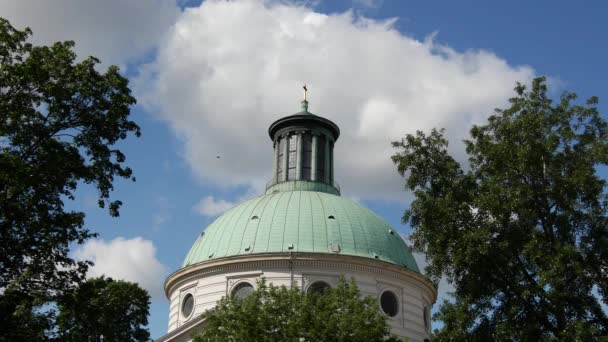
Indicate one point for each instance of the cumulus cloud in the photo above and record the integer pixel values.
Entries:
(132, 260)
(227, 69)
(112, 30)
(209, 206)
(212, 206)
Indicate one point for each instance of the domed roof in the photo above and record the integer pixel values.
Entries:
(301, 221)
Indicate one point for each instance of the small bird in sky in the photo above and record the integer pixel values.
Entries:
(218, 157)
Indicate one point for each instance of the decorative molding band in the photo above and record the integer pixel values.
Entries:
(346, 263)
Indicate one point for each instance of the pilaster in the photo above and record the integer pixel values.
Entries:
(331, 162)
(299, 156)
(327, 162)
(275, 160)
(313, 162)
(285, 157)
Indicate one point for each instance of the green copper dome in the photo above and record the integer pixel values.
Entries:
(301, 221)
(302, 210)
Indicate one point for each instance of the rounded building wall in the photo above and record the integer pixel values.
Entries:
(208, 282)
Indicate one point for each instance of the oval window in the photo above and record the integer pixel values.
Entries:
(389, 303)
(188, 305)
(242, 290)
(319, 287)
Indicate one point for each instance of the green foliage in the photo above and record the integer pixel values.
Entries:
(279, 314)
(22, 319)
(103, 309)
(59, 121)
(523, 233)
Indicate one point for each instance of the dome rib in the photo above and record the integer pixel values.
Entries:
(305, 236)
(289, 216)
(325, 223)
(252, 237)
(237, 219)
(312, 232)
(206, 247)
(364, 233)
(319, 225)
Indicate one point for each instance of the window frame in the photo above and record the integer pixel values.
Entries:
(397, 303)
(306, 156)
(309, 288)
(237, 286)
(280, 157)
(292, 156)
(183, 304)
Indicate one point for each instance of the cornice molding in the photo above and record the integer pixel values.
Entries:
(294, 259)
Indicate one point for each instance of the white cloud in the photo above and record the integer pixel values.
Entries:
(228, 69)
(112, 30)
(212, 206)
(209, 206)
(132, 260)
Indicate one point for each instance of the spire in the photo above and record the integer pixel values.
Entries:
(305, 101)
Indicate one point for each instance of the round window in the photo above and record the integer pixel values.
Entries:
(389, 303)
(242, 290)
(319, 287)
(188, 305)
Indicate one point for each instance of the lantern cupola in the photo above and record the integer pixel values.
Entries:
(303, 152)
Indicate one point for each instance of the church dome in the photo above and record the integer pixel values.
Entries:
(300, 233)
(301, 222)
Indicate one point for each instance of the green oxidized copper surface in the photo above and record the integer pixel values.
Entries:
(304, 185)
(301, 221)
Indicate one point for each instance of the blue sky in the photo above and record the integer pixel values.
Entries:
(198, 97)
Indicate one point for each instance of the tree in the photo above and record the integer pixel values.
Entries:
(102, 309)
(279, 314)
(59, 122)
(522, 233)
